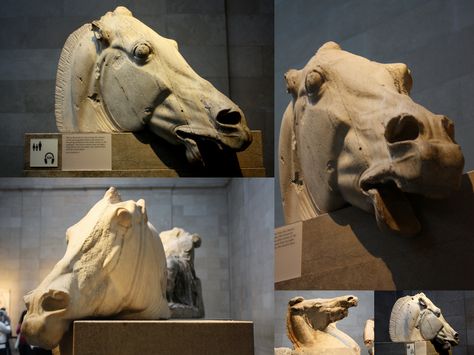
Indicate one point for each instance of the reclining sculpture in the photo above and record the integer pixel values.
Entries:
(311, 326)
(352, 134)
(416, 318)
(114, 266)
(118, 75)
(183, 291)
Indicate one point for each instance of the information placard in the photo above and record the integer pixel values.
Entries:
(44, 153)
(87, 151)
(288, 249)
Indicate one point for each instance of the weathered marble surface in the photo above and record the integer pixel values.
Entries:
(416, 318)
(117, 75)
(352, 134)
(114, 266)
(183, 290)
(369, 336)
(311, 327)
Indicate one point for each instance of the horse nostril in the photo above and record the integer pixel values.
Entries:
(456, 336)
(402, 128)
(55, 300)
(228, 117)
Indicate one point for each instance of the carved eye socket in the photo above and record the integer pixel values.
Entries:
(142, 51)
(313, 82)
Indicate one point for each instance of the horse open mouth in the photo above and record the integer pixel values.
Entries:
(194, 139)
(392, 207)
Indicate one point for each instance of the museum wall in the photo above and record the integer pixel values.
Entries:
(33, 221)
(251, 257)
(457, 308)
(234, 49)
(433, 37)
(353, 325)
(250, 41)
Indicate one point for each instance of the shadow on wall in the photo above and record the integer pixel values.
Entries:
(421, 261)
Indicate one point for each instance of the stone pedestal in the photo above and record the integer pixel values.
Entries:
(146, 155)
(203, 337)
(415, 348)
(344, 250)
(331, 351)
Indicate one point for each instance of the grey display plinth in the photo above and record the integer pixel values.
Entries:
(194, 337)
(344, 250)
(416, 348)
(142, 155)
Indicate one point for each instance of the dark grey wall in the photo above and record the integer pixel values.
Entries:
(250, 40)
(457, 308)
(32, 34)
(250, 231)
(433, 37)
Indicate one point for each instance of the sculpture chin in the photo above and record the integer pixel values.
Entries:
(392, 207)
(193, 138)
(43, 332)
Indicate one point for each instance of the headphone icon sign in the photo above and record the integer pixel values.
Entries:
(49, 156)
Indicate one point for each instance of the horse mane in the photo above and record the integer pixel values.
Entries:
(63, 76)
(396, 317)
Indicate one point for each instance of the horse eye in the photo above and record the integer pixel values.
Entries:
(313, 82)
(142, 51)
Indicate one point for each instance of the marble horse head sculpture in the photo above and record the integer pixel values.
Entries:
(416, 318)
(183, 291)
(118, 75)
(352, 134)
(114, 266)
(311, 325)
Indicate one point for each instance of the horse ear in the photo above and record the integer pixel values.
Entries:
(292, 78)
(330, 45)
(100, 34)
(124, 217)
(295, 300)
(141, 204)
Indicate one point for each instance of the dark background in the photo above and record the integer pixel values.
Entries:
(228, 42)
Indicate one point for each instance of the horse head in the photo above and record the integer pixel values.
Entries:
(352, 134)
(416, 318)
(114, 266)
(311, 323)
(116, 74)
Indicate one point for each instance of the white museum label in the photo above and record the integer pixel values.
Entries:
(44, 152)
(90, 151)
(288, 249)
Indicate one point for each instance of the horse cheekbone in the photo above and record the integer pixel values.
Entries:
(117, 75)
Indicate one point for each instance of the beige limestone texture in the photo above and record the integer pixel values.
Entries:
(311, 326)
(352, 134)
(416, 318)
(114, 266)
(117, 75)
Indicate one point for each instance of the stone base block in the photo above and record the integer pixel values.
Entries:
(344, 250)
(332, 351)
(203, 337)
(146, 155)
(415, 348)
